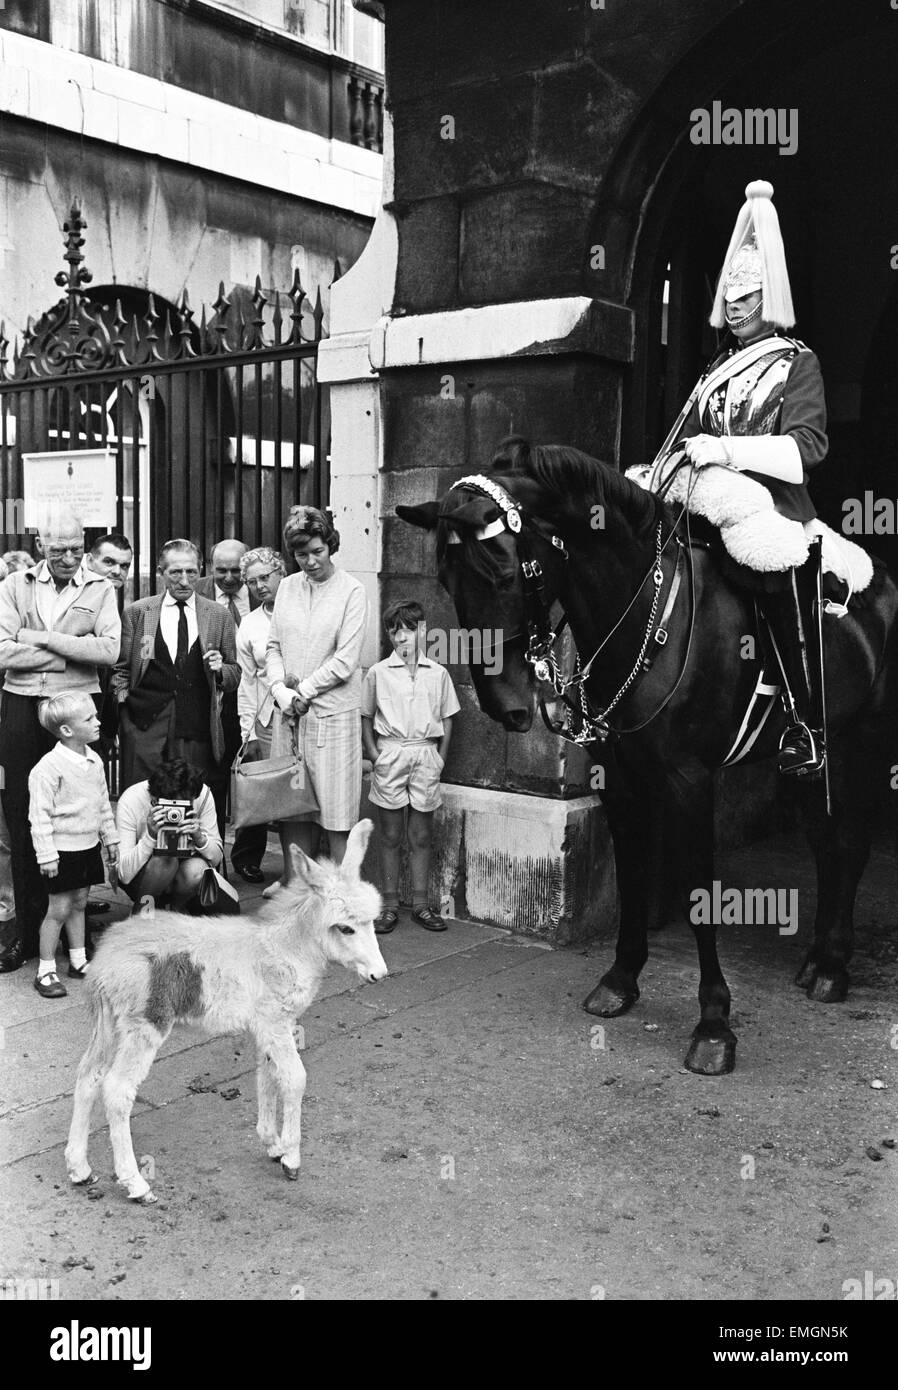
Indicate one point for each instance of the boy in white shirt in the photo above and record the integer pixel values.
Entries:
(408, 703)
(70, 815)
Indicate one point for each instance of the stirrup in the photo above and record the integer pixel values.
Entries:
(805, 760)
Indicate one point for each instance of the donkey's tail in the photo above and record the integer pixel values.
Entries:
(102, 1038)
(93, 1067)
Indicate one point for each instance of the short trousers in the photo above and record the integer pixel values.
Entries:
(79, 868)
(407, 774)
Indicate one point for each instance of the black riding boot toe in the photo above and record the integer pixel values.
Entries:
(801, 751)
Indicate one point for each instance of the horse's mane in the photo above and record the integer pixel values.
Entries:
(566, 472)
(573, 480)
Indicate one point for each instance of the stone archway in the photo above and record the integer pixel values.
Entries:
(667, 203)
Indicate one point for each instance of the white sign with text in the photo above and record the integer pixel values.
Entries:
(81, 482)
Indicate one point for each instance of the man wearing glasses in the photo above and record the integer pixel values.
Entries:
(59, 623)
(178, 659)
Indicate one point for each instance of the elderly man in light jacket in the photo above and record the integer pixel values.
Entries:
(59, 622)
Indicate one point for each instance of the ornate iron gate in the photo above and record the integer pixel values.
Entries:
(217, 428)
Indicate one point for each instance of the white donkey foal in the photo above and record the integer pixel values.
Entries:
(225, 975)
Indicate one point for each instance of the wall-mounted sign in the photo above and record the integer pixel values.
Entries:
(81, 482)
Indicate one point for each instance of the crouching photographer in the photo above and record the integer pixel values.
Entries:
(169, 835)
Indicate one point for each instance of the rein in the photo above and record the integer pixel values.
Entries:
(583, 724)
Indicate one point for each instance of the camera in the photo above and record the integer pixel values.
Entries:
(171, 839)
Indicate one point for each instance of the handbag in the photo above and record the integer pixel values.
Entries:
(271, 789)
(214, 898)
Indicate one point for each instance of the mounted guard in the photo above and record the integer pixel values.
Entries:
(759, 410)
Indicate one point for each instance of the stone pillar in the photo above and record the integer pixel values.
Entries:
(520, 841)
(358, 301)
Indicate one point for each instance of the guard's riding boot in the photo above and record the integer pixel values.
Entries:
(795, 633)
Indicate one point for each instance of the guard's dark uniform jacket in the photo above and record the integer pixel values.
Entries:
(760, 396)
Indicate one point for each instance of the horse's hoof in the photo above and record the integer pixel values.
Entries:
(605, 1002)
(146, 1199)
(291, 1173)
(807, 974)
(711, 1056)
(90, 1181)
(829, 987)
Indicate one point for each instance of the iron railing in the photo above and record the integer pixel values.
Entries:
(217, 427)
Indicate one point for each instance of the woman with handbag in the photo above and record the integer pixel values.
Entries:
(261, 570)
(313, 666)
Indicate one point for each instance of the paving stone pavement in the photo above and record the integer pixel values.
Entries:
(471, 1133)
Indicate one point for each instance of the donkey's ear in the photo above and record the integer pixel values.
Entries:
(424, 515)
(304, 868)
(356, 845)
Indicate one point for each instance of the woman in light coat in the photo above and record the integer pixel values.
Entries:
(313, 666)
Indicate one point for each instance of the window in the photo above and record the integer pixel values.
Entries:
(332, 25)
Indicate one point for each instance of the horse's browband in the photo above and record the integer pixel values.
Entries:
(511, 515)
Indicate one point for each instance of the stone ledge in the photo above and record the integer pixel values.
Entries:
(536, 866)
(526, 328)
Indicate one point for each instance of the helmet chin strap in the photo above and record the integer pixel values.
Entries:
(746, 318)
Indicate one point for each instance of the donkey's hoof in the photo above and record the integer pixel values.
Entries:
(605, 1002)
(828, 986)
(711, 1056)
(291, 1173)
(90, 1181)
(146, 1199)
(806, 975)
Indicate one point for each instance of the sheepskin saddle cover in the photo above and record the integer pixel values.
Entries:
(753, 532)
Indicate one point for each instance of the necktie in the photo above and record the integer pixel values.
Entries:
(181, 656)
(234, 612)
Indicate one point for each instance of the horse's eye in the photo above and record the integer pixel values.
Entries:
(346, 931)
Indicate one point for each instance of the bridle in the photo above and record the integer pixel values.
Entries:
(583, 724)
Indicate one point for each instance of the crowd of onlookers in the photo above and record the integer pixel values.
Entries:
(246, 660)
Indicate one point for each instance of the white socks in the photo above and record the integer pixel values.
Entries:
(77, 956)
(46, 967)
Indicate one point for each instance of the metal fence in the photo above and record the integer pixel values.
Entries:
(216, 427)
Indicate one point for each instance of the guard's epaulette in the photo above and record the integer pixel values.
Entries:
(796, 343)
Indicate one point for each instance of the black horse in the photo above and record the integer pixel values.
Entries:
(550, 525)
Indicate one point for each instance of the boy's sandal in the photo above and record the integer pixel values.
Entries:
(428, 919)
(78, 972)
(386, 922)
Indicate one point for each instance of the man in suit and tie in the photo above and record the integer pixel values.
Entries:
(226, 587)
(225, 584)
(178, 660)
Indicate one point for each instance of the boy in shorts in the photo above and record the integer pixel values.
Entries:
(70, 818)
(408, 703)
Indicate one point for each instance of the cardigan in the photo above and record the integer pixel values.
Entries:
(316, 636)
(68, 804)
(82, 627)
(254, 700)
(137, 844)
